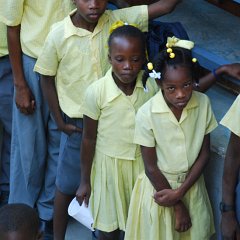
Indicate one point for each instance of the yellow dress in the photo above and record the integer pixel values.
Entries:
(117, 161)
(177, 145)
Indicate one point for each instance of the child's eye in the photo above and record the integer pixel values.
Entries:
(135, 59)
(170, 89)
(187, 85)
(119, 59)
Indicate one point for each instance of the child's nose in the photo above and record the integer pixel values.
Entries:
(180, 94)
(127, 65)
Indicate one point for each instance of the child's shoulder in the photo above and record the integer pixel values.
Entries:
(201, 97)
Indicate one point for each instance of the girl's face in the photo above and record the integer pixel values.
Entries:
(90, 11)
(126, 55)
(177, 87)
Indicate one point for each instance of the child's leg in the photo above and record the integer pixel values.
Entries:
(60, 219)
(115, 235)
(68, 177)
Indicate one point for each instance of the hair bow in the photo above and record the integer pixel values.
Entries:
(118, 24)
(176, 42)
(154, 74)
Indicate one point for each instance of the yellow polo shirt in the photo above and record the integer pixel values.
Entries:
(78, 57)
(3, 40)
(177, 143)
(115, 113)
(231, 119)
(36, 18)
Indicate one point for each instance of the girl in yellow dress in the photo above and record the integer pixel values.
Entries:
(169, 200)
(108, 155)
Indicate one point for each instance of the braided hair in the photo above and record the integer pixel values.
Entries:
(183, 58)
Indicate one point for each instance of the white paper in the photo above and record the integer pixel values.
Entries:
(81, 213)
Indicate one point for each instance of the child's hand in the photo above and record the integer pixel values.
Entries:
(83, 193)
(182, 217)
(167, 197)
(232, 70)
(25, 100)
(69, 129)
(229, 226)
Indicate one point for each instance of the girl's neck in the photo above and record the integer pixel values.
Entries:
(177, 113)
(79, 22)
(125, 88)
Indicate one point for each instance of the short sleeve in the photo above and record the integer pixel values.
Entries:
(133, 15)
(11, 12)
(211, 120)
(91, 103)
(143, 133)
(47, 62)
(231, 120)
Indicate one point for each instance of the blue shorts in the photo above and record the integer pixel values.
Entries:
(68, 170)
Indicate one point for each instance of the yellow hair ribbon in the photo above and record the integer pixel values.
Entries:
(176, 42)
(118, 24)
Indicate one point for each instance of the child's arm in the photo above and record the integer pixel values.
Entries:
(120, 3)
(50, 94)
(159, 182)
(229, 225)
(207, 81)
(152, 171)
(161, 7)
(24, 98)
(87, 154)
(165, 196)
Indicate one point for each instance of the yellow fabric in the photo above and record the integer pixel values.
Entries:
(3, 40)
(114, 173)
(78, 57)
(36, 18)
(185, 136)
(232, 117)
(176, 42)
(112, 182)
(106, 103)
(178, 145)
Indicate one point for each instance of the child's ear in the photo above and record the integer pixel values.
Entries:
(39, 235)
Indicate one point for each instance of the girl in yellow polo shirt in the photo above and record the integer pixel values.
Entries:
(169, 200)
(108, 155)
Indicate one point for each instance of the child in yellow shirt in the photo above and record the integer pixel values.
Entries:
(169, 200)
(108, 155)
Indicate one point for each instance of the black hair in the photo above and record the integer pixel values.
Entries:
(18, 217)
(128, 31)
(183, 57)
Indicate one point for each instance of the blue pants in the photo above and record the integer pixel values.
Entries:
(35, 150)
(6, 102)
(68, 171)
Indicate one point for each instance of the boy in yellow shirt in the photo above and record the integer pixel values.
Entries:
(75, 55)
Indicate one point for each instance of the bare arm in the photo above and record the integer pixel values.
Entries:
(229, 225)
(207, 81)
(159, 182)
(87, 154)
(25, 100)
(161, 8)
(50, 94)
(165, 196)
(120, 3)
(152, 171)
